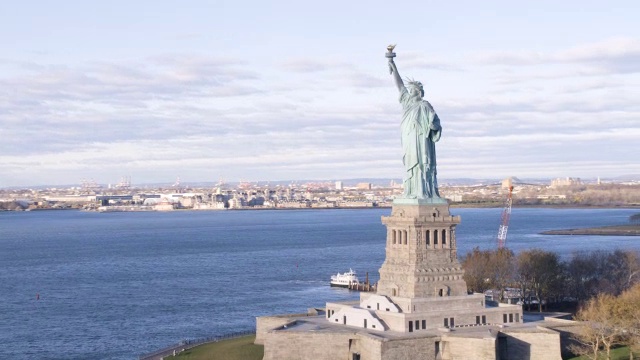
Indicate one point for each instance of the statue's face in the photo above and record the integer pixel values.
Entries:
(416, 91)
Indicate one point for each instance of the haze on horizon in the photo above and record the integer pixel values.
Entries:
(289, 90)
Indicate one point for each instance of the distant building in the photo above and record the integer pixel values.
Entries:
(363, 186)
(507, 183)
(568, 181)
(339, 185)
(236, 203)
(548, 197)
(164, 205)
(71, 198)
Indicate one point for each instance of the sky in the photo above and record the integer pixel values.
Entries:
(291, 90)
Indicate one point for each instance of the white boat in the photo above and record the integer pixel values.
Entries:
(344, 280)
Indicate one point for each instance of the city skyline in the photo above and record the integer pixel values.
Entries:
(252, 91)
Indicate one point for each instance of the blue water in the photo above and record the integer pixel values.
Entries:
(116, 285)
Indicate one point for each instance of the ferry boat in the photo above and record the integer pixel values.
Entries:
(344, 280)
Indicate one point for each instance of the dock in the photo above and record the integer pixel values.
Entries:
(363, 287)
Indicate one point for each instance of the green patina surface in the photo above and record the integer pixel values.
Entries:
(419, 129)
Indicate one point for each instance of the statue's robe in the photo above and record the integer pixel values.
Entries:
(420, 129)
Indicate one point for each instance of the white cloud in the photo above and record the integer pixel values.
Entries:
(204, 117)
(614, 55)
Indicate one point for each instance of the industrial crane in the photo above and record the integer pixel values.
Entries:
(504, 224)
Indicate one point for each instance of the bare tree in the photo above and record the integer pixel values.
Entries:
(540, 272)
(627, 317)
(608, 321)
(502, 266)
(583, 276)
(598, 327)
(476, 267)
(617, 271)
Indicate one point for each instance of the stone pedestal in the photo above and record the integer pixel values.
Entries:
(421, 257)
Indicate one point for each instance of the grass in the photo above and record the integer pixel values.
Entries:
(241, 348)
(621, 353)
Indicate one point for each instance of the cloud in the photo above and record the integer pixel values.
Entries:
(307, 65)
(418, 60)
(511, 58)
(53, 108)
(614, 48)
(615, 55)
(106, 82)
(203, 117)
(364, 80)
(338, 73)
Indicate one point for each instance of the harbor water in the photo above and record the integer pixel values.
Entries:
(86, 285)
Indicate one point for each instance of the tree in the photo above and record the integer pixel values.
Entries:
(631, 266)
(626, 313)
(608, 321)
(501, 269)
(611, 272)
(540, 272)
(599, 328)
(489, 269)
(476, 270)
(583, 275)
(617, 271)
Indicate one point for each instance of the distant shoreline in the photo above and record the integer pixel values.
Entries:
(542, 206)
(487, 205)
(615, 230)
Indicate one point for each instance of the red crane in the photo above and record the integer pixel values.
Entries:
(504, 224)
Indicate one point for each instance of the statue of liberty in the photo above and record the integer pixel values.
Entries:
(420, 129)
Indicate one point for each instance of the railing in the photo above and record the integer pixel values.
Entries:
(190, 343)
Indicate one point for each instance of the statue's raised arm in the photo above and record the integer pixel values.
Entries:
(393, 69)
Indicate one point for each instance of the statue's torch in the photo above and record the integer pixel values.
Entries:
(390, 55)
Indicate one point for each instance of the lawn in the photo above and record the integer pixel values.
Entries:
(621, 353)
(241, 348)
